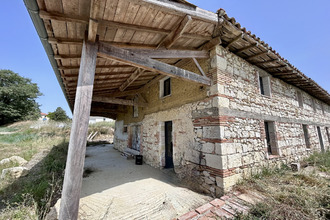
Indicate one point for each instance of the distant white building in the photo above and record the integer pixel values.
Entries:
(43, 117)
(95, 119)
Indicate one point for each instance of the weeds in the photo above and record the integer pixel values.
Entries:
(290, 195)
(30, 197)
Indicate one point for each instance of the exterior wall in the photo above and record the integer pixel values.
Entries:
(243, 111)
(218, 131)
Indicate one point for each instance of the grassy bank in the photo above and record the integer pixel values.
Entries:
(30, 197)
(45, 146)
(292, 195)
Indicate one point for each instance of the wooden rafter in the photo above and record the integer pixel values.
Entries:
(257, 55)
(266, 62)
(177, 33)
(139, 61)
(93, 24)
(246, 48)
(240, 36)
(211, 44)
(98, 67)
(105, 23)
(131, 79)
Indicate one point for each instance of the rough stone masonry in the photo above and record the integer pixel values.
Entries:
(219, 132)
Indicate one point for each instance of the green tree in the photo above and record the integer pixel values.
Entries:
(58, 115)
(17, 98)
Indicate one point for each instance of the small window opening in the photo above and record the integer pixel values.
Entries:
(300, 99)
(167, 87)
(313, 105)
(271, 138)
(125, 129)
(306, 135)
(322, 107)
(264, 85)
(327, 129)
(320, 138)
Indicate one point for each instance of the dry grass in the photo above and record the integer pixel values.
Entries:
(289, 195)
(31, 197)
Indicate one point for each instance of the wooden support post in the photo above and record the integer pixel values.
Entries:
(77, 146)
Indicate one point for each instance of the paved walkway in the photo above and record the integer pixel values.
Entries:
(119, 189)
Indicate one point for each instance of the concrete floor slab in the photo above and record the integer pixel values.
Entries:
(119, 189)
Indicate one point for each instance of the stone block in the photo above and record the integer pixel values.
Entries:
(234, 160)
(208, 148)
(213, 161)
(211, 132)
(226, 148)
(223, 102)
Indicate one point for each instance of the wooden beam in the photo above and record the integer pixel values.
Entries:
(131, 79)
(117, 101)
(176, 34)
(77, 145)
(149, 64)
(199, 67)
(168, 54)
(105, 23)
(61, 17)
(240, 36)
(212, 43)
(98, 67)
(266, 62)
(272, 68)
(257, 55)
(247, 48)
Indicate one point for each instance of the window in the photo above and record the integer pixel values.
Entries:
(271, 138)
(125, 129)
(300, 99)
(313, 105)
(264, 85)
(320, 138)
(306, 135)
(165, 87)
(322, 108)
(135, 111)
(327, 130)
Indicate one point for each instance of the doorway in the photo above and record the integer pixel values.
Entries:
(168, 145)
(136, 140)
(320, 137)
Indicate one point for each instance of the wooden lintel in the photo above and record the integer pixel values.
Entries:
(146, 63)
(176, 34)
(240, 36)
(257, 55)
(116, 101)
(199, 67)
(212, 43)
(247, 48)
(131, 79)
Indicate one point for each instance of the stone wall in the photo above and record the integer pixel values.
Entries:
(218, 131)
(243, 111)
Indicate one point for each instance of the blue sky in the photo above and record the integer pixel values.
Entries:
(298, 30)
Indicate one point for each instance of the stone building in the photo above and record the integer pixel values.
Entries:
(188, 88)
(257, 113)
